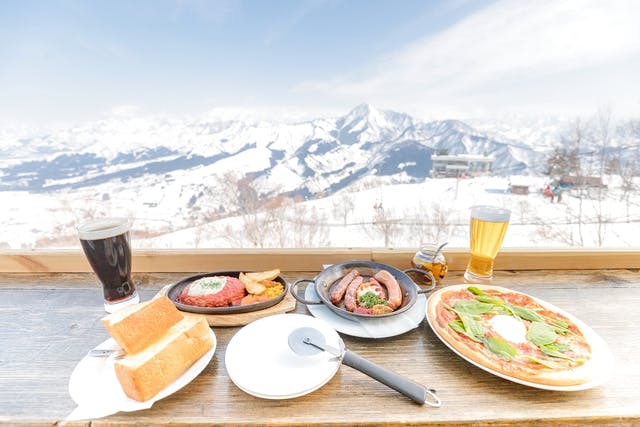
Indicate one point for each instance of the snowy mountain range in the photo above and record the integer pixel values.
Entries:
(169, 174)
(309, 158)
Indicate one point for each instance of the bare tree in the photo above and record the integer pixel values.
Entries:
(308, 227)
(278, 225)
(628, 172)
(288, 225)
(553, 232)
(254, 230)
(249, 200)
(524, 209)
(240, 196)
(225, 191)
(430, 224)
(564, 160)
(602, 136)
(418, 229)
(440, 218)
(576, 141)
(343, 207)
(628, 168)
(386, 225)
(234, 237)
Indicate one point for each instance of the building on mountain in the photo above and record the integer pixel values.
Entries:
(519, 188)
(458, 165)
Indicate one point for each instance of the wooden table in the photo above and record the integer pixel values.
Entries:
(48, 322)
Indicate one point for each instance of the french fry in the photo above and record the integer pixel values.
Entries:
(252, 286)
(263, 275)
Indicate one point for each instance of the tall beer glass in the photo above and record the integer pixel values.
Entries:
(488, 228)
(107, 246)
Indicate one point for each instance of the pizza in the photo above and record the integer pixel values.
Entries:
(514, 334)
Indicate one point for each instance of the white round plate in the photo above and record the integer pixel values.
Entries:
(261, 363)
(368, 328)
(600, 352)
(93, 385)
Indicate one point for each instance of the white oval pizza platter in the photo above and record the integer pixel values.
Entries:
(601, 355)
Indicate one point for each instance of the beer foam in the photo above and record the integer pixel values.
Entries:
(490, 213)
(103, 228)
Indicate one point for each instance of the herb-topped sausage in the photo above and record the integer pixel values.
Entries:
(372, 295)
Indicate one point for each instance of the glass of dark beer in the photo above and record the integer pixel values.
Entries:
(106, 243)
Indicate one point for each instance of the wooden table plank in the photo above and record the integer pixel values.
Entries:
(49, 321)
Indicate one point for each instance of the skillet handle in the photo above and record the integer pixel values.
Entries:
(416, 392)
(427, 274)
(294, 292)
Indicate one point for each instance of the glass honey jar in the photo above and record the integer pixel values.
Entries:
(430, 258)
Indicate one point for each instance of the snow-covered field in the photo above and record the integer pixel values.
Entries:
(406, 215)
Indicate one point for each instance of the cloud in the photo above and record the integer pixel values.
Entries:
(515, 46)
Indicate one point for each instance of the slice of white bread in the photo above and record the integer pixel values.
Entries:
(142, 375)
(139, 325)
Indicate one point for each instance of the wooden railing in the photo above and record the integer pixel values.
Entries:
(197, 260)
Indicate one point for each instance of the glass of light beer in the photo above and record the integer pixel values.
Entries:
(488, 228)
(107, 246)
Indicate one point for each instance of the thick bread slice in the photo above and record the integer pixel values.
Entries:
(137, 326)
(142, 375)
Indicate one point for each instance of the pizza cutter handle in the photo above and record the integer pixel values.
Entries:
(417, 392)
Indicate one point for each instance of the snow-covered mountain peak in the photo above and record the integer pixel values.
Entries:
(305, 158)
(365, 123)
(362, 117)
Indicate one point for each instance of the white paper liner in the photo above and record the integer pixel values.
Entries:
(93, 385)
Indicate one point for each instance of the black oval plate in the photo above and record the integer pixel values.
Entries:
(330, 276)
(174, 292)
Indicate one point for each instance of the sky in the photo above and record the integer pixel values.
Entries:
(70, 61)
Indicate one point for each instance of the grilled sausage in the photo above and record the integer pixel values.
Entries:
(350, 296)
(393, 288)
(337, 293)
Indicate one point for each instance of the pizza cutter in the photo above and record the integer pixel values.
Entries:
(307, 341)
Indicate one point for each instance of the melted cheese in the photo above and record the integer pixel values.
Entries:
(509, 328)
(207, 286)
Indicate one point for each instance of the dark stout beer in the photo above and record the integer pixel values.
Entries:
(107, 247)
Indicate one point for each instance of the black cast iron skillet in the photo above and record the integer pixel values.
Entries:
(174, 292)
(330, 277)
